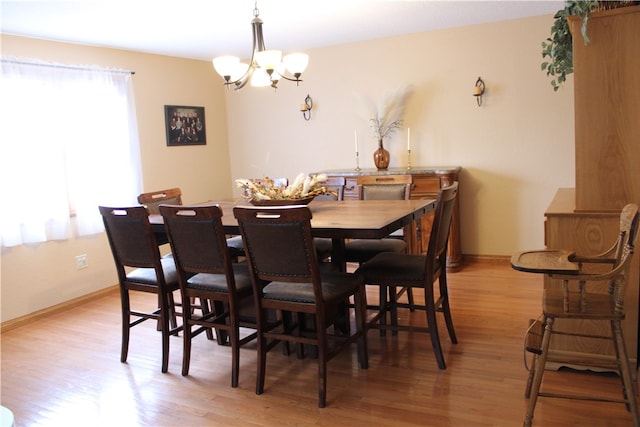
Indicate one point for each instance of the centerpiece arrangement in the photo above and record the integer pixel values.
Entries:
(266, 192)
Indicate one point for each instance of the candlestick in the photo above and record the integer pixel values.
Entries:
(357, 162)
(355, 135)
(408, 159)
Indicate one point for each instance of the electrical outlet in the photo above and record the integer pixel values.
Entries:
(82, 261)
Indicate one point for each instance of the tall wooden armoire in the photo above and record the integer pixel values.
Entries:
(607, 129)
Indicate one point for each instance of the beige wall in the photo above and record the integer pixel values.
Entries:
(515, 150)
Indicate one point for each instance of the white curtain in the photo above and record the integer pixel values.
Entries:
(68, 143)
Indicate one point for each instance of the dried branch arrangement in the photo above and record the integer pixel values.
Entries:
(387, 114)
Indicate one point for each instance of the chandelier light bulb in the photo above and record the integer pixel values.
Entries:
(226, 65)
(260, 78)
(266, 67)
(296, 63)
(268, 59)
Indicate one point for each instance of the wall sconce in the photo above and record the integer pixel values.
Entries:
(306, 108)
(478, 91)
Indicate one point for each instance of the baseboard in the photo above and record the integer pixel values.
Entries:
(50, 311)
(492, 259)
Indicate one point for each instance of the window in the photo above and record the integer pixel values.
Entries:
(69, 143)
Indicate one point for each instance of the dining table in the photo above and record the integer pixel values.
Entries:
(337, 220)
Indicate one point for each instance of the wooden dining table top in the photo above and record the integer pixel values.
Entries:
(353, 219)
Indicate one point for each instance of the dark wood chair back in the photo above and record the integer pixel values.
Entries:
(437, 248)
(380, 187)
(151, 200)
(197, 239)
(384, 187)
(279, 244)
(131, 238)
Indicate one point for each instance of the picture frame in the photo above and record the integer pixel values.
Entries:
(185, 125)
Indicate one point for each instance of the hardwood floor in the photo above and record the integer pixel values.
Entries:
(66, 370)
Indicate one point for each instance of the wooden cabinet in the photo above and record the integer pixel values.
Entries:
(607, 129)
(588, 233)
(607, 108)
(426, 182)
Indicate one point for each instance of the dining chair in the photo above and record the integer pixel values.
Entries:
(335, 192)
(152, 200)
(579, 296)
(286, 277)
(381, 187)
(392, 269)
(206, 271)
(140, 268)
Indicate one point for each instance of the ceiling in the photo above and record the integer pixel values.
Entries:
(203, 29)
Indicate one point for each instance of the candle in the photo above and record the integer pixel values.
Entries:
(355, 134)
(408, 139)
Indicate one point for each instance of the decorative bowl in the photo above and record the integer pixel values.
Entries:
(282, 202)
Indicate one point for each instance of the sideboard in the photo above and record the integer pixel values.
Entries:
(426, 182)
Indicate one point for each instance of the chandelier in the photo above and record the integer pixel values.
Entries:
(266, 67)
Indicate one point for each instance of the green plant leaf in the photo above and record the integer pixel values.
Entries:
(559, 46)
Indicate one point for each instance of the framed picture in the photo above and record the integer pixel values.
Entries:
(185, 125)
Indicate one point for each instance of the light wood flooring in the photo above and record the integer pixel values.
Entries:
(65, 371)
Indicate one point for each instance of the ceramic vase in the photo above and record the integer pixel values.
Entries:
(381, 157)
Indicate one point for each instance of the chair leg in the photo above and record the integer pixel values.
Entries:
(221, 335)
(186, 347)
(432, 326)
(446, 308)
(187, 312)
(628, 388)
(532, 372)
(261, 350)
(393, 308)
(540, 362)
(322, 362)
(410, 300)
(383, 308)
(235, 352)
(300, 321)
(360, 306)
(204, 308)
(435, 340)
(171, 304)
(126, 328)
(164, 321)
